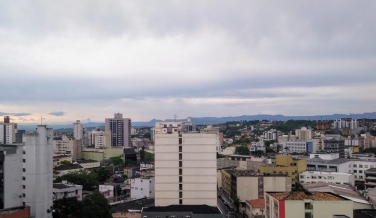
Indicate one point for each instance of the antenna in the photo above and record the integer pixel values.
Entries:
(175, 116)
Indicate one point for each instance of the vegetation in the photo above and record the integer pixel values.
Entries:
(93, 205)
(291, 125)
(87, 179)
(65, 162)
(149, 156)
(118, 161)
(370, 150)
(242, 150)
(103, 174)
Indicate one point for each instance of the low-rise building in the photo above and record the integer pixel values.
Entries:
(306, 204)
(131, 209)
(88, 164)
(61, 190)
(57, 159)
(65, 169)
(255, 208)
(285, 164)
(142, 188)
(15, 212)
(326, 177)
(370, 176)
(297, 146)
(191, 211)
(324, 156)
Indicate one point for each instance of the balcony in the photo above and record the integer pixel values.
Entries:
(371, 178)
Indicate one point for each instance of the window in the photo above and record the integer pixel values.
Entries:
(76, 192)
(302, 177)
(366, 166)
(180, 164)
(180, 194)
(180, 179)
(360, 177)
(355, 177)
(355, 171)
(180, 172)
(180, 156)
(180, 141)
(354, 165)
(308, 206)
(360, 171)
(23, 203)
(24, 152)
(180, 187)
(314, 177)
(24, 195)
(23, 186)
(371, 166)
(24, 170)
(308, 215)
(180, 149)
(24, 160)
(180, 201)
(187, 217)
(23, 178)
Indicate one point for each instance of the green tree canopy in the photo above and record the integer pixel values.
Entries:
(85, 178)
(65, 162)
(95, 206)
(118, 161)
(242, 150)
(103, 174)
(67, 208)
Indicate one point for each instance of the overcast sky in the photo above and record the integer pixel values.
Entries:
(68, 60)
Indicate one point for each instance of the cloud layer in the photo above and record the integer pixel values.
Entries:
(200, 58)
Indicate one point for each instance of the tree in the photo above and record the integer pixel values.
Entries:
(85, 178)
(243, 150)
(118, 161)
(67, 207)
(65, 162)
(142, 154)
(103, 174)
(95, 206)
(149, 156)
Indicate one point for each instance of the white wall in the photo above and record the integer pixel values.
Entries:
(13, 179)
(142, 188)
(326, 177)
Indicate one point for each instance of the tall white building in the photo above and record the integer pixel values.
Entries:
(78, 130)
(346, 123)
(303, 133)
(120, 129)
(7, 131)
(185, 165)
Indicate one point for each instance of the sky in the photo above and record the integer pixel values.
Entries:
(88, 59)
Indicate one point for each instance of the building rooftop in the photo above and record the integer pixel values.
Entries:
(372, 170)
(257, 203)
(86, 161)
(68, 167)
(63, 186)
(335, 161)
(365, 213)
(195, 209)
(324, 173)
(245, 173)
(9, 211)
(135, 205)
(301, 195)
(342, 190)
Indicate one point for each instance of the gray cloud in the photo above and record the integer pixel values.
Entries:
(14, 114)
(57, 113)
(221, 54)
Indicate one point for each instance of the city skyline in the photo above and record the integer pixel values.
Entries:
(86, 60)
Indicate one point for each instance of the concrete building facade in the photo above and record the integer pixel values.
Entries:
(326, 177)
(7, 131)
(142, 188)
(120, 129)
(66, 146)
(61, 190)
(185, 165)
(78, 130)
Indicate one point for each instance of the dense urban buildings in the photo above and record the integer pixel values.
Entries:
(120, 129)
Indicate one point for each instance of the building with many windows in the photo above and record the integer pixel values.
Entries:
(185, 165)
(300, 204)
(8, 131)
(142, 187)
(120, 129)
(326, 177)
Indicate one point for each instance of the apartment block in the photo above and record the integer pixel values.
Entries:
(142, 188)
(7, 131)
(326, 177)
(306, 204)
(185, 165)
(285, 164)
(67, 146)
(120, 129)
(61, 190)
(303, 133)
(335, 146)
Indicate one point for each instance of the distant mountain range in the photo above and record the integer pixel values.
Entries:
(217, 120)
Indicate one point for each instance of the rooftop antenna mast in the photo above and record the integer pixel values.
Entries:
(175, 116)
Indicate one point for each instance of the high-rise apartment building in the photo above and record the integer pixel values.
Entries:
(78, 130)
(346, 123)
(303, 133)
(67, 146)
(7, 131)
(120, 129)
(26, 173)
(185, 165)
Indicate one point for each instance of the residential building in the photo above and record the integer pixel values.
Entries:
(57, 159)
(67, 146)
(7, 131)
(142, 188)
(214, 130)
(271, 134)
(335, 146)
(343, 190)
(297, 146)
(78, 130)
(285, 138)
(88, 164)
(37, 171)
(255, 208)
(250, 185)
(186, 211)
(357, 167)
(61, 190)
(114, 192)
(120, 129)
(185, 165)
(322, 126)
(131, 209)
(62, 170)
(303, 133)
(345, 123)
(285, 164)
(370, 176)
(306, 204)
(326, 177)
(324, 156)
(19, 135)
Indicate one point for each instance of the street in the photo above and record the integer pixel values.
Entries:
(225, 209)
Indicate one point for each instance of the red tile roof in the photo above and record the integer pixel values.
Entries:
(258, 203)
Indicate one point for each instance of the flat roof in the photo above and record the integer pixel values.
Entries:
(86, 161)
(326, 173)
(301, 195)
(195, 209)
(63, 186)
(68, 167)
(133, 205)
(334, 161)
(371, 170)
